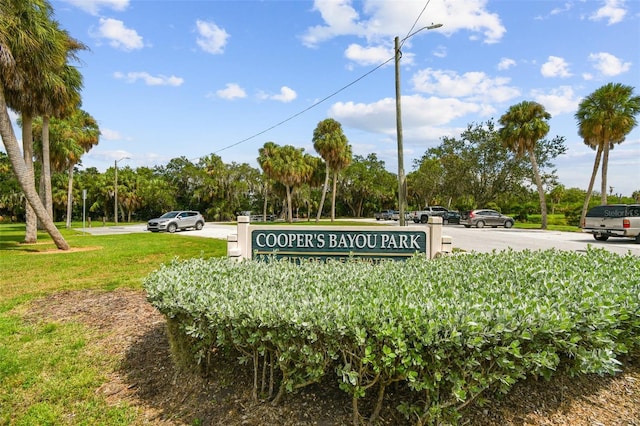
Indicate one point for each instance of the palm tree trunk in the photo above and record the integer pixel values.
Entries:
(31, 232)
(70, 196)
(46, 166)
(587, 199)
(333, 197)
(22, 175)
(324, 193)
(264, 206)
(605, 165)
(289, 205)
(543, 201)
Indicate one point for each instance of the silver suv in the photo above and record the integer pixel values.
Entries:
(174, 220)
(486, 217)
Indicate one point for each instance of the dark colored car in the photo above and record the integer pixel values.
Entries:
(452, 217)
(174, 220)
(486, 217)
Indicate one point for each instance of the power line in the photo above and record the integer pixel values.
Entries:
(306, 109)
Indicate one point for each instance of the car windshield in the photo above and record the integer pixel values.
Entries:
(169, 215)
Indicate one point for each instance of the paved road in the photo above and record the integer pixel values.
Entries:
(210, 230)
(468, 239)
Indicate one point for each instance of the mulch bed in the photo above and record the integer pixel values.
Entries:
(131, 330)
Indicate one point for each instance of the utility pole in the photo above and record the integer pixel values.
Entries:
(402, 184)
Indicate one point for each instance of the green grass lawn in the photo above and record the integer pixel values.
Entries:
(49, 371)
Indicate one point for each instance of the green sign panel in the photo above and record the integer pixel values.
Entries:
(338, 244)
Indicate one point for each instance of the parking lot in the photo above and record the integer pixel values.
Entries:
(467, 239)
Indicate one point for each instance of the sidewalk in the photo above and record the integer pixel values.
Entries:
(210, 230)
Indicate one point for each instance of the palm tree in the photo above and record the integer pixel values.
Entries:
(71, 137)
(330, 142)
(43, 89)
(287, 165)
(524, 125)
(605, 118)
(266, 156)
(62, 102)
(29, 49)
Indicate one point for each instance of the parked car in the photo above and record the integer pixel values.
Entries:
(396, 216)
(174, 220)
(452, 216)
(385, 215)
(616, 220)
(486, 217)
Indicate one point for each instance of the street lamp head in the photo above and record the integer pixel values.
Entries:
(428, 27)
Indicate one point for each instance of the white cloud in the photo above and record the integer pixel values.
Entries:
(440, 52)
(340, 19)
(369, 55)
(555, 67)
(471, 85)
(110, 135)
(506, 63)
(613, 11)
(286, 95)
(93, 6)
(418, 113)
(608, 65)
(148, 79)
(118, 36)
(378, 21)
(211, 38)
(561, 100)
(231, 91)
(560, 10)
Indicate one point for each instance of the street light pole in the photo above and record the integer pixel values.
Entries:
(402, 184)
(115, 190)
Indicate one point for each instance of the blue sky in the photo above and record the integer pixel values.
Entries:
(190, 78)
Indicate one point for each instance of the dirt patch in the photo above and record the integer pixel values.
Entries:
(70, 250)
(134, 332)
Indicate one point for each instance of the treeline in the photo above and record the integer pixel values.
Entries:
(469, 171)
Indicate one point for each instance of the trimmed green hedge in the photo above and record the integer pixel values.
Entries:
(449, 330)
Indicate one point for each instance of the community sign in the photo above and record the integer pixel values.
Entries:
(370, 244)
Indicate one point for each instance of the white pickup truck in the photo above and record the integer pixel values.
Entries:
(614, 220)
(422, 216)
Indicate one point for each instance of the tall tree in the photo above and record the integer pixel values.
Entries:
(266, 158)
(50, 88)
(366, 186)
(59, 102)
(475, 170)
(287, 165)
(71, 137)
(29, 48)
(330, 142)
(524, 124)
(605, 118)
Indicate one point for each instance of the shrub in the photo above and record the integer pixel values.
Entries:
(447, 330)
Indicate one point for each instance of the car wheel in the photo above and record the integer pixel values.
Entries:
(199, 225)
(637, 239)
(424, 219)
(601, 237)
(480, 224)
(508, 224)
(172, 227)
